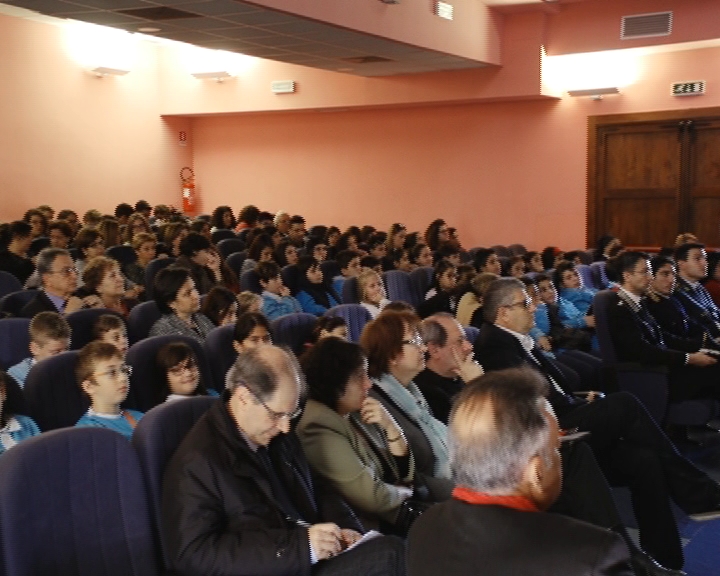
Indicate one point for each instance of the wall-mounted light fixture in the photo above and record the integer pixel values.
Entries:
(594, 93)
(218, 76)
(102, 71)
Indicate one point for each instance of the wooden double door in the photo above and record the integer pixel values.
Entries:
(653, 176)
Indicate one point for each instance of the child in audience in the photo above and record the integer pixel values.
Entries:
(49, 335)
(560, 319)
(349, 263)
(314, 296)
(516, 267)
(442, 296)
(111, 329)
(421, 255)
(371, 292)
(401, 260)
(248, 302)
(103, 375)
(220, 306)
(533, 262)
(178, 373)
(328, 326)
(13, 427)
(252, 329)
(276, 296)
(571, 287)
(371, 263)
(450, 253)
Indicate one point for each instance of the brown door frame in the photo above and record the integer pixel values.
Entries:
(597, 122)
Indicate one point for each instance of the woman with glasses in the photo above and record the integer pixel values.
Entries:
(179, 301)
(396, 355)
(371, 465)
(178, 374)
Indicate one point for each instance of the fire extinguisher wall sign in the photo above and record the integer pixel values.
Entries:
(187, 176)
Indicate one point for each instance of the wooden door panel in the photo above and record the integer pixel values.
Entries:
(706, 225)
(642, 160)
(642, 221)
(704, 182)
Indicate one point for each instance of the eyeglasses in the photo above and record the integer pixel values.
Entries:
(415, 341)
(276, 416)
(524, 303)
(123, 371)
(177, 370)
(67, 271)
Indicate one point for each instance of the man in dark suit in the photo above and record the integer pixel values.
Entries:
(59, 277)
(692, 268)
(505, 460)
(238, 498)
(628, 444)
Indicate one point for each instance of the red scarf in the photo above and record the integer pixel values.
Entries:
(516, 502)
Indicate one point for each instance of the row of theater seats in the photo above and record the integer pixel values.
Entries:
(85, 501)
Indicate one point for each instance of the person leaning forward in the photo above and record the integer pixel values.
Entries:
(238, 498)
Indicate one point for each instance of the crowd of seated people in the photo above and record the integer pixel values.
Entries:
(372, 415)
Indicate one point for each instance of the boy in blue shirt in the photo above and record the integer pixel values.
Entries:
(49, 335)
(276, 296)
(103, 375)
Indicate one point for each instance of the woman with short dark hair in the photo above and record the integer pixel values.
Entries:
(194, 255)
(178, 374)
(15, 239)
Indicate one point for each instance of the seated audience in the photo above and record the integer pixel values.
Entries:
(560, 320)
(102, 374)
(316, 247)
(238, 497)
(314, 295)
(400, 260)
(38, 222)
(690, 293)
(328, 326)
(222, 219)
(110, 231)
(348, 240)
(437, 234)
(371, 263)
(111, 329)
(179, 302)
(60, 234)
(486, 260)
(71, 217)
(172, 234)
(551, 255)
(194, 256)
(331, 237)
(91, 219)
(220, 306)
(104, 286)
(136, 224)
(202, 227)
(15, 240)
(247, 217)
(469, 310)
(90, 244)
(249, 302)
(49, 335)
(296, 232)
(371, 466)
(276, 296)
(285, 254)
(516, 267)
(261, 250)
(395, 240)
(122, 212)
(504, 455)
(145, 247)
(605, 246)
(178, 374)
(533, 262)
(628, 444)
(449, 365)
(441, 297)
(14, 428)
(421, 255)
(349, 263)
(371, 292)
(712, 280)
(396, 355)
(450, 253)
(58, 277)
(252, 330)
(569, 284)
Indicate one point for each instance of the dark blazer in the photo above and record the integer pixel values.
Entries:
(439, 392)
(40, 303)
(219, 514)
(699, 306)
(459, 539)
(673, 319)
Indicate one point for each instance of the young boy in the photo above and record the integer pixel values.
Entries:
(111, 329)
(276, 297)
(49, 335)
(349, 263)
(104, 377)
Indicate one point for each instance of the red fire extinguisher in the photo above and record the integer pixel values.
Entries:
(187, 176)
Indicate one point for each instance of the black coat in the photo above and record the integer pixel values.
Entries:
(40, 303)
(219, 514)
(459, 539)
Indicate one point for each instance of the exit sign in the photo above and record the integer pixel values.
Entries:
(688, 88)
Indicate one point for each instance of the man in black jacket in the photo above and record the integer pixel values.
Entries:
(238, 498)
(629, 446)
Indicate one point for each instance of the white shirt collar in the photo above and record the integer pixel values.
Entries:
(631, 296)
(526, 340)
(176, 397)
(92, 412)
(12, 425)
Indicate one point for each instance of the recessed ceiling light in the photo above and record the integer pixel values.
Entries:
(148, 29)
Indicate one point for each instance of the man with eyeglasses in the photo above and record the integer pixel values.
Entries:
(59, 278)
(629, 446)
(238, 497)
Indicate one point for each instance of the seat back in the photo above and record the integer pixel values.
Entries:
(73, 503)
(141, 320)
(8, 283)
(586, 276)
(249, 280)
(53, 396)
(599, 275)
(152, 268)
(15, 301)
(123, 253)
(399, 287)
(82, 323)
(156, 438)
(145, 378)
(291, 278)
(14, 341)
(221, 234)
(421, 279)
(230, 246)
(293, 330)
(38, 244)
(356, 316)
(330, 269)
(220, 354)
(235, 262)
(471, 333)
(350, 291)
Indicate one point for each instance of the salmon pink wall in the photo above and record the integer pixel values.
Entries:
(73, 140)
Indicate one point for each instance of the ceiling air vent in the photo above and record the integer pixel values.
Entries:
(158, 13)
(366, 59)
(646, 25)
